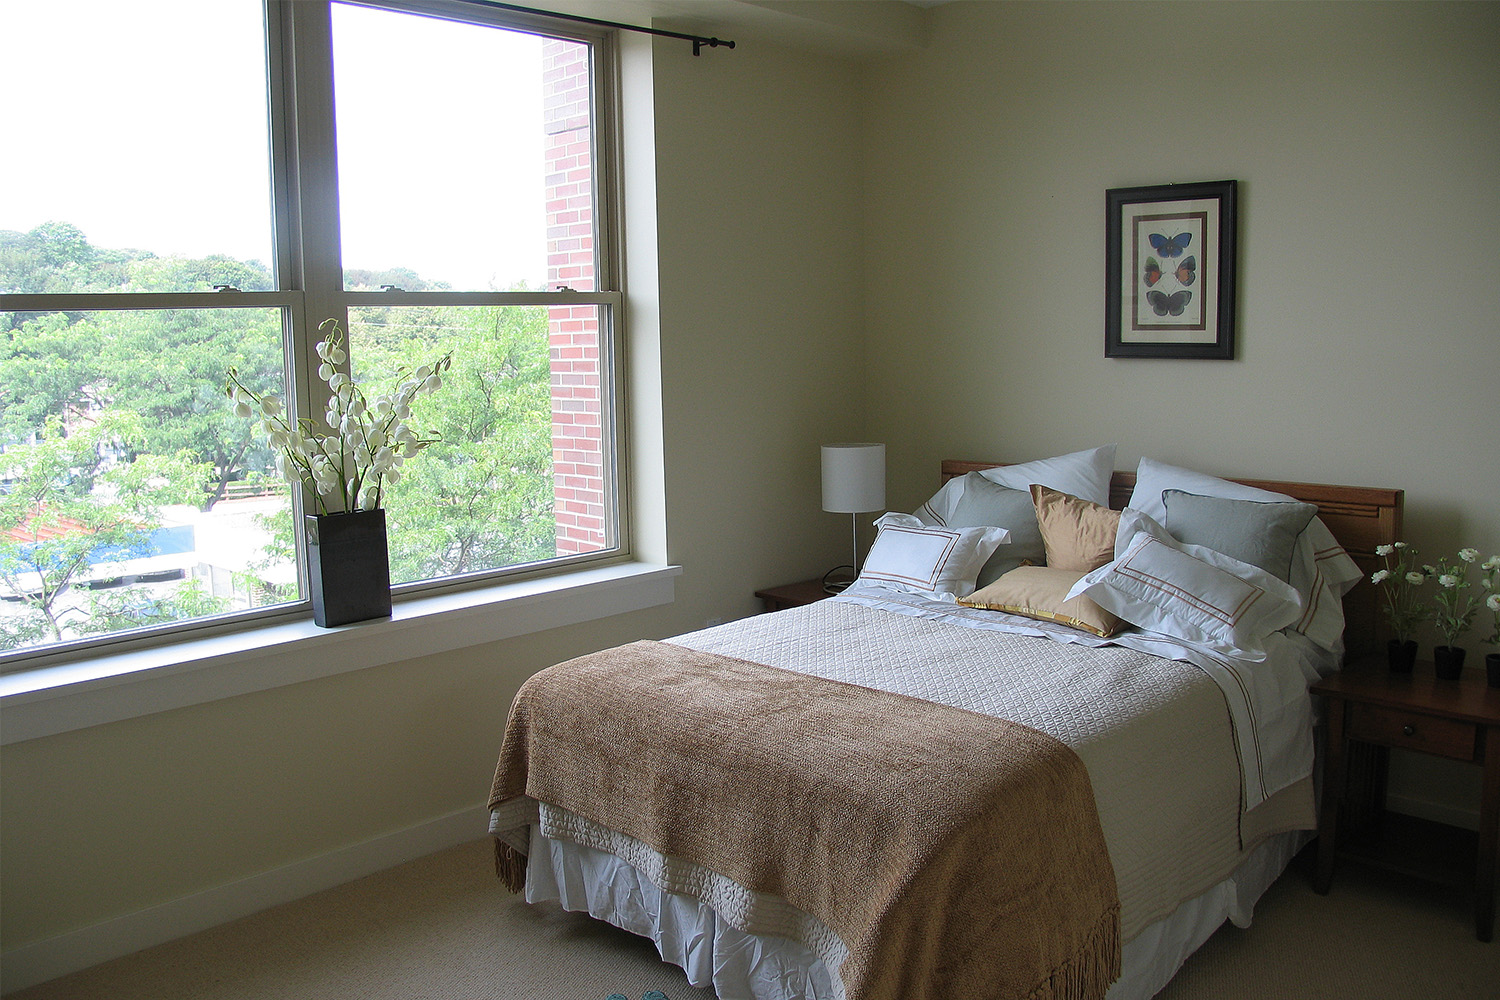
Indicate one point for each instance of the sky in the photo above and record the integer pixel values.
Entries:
(149, 130)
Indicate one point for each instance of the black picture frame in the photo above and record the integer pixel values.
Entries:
(1170, 260)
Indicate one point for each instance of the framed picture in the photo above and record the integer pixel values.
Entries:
(1170, 268)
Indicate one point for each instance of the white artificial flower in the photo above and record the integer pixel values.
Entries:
(1400, 545)
(368, 441)
(1492, 563)
(1492, 602)
(1468, 555)
(1448, 581)
(1379, 576)
(1416, 579)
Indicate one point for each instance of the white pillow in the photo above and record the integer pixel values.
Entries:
(931, 561)
(1321, 570)
(1189, 591)
(1084, 474)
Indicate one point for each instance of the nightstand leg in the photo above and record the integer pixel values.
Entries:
(1335, 758)
(1489, 839)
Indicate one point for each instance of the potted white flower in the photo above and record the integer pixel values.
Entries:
(1454, 610)
(1404, 609)
(344, 464)
(1491, 570)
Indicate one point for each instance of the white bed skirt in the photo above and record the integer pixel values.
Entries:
(742, 966)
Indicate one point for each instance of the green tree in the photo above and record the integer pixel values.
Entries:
(165, 365)
(68, 504)
(481, 497)
(136, 607)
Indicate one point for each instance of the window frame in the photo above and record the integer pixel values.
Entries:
(309, 274)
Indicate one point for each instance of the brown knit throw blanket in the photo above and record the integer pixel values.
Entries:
(957, 856)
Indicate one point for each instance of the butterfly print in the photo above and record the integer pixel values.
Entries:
(1187, 271)
(1170, 247)
(1164, 305)
(1152, 271)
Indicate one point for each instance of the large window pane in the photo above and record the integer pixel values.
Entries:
(130, 495)
(140, 126)
(458, 167)
(489, 493)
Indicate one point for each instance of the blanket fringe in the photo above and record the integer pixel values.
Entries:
(1091, 970)
(510, 866)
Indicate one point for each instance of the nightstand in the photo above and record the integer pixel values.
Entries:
(793, 595)
(1460, 720)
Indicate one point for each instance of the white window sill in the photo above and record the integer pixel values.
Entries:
(92, 692)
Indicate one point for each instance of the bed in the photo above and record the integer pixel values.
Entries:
(1053, 737)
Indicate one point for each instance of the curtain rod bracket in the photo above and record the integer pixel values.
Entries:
(698, 40)
(712, 43)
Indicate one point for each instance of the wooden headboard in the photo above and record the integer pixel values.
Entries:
(1360, 517)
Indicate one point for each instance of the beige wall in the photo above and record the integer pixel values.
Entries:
(1366, 140)
(947, 204)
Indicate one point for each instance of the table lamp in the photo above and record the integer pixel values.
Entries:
(853, 483)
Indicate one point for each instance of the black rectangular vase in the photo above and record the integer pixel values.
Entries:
(349, 566)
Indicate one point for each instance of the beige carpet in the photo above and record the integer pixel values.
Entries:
(442, 927)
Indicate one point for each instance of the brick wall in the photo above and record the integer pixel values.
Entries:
(577, 443)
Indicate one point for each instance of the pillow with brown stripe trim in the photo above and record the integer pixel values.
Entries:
(1190, 592)
(1041, 592)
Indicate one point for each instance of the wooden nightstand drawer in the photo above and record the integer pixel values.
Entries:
(1426, 733)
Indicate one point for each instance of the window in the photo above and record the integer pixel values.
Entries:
(439, 180)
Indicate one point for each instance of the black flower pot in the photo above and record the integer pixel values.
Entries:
(1492, 669)
(1448, 662)
(1401, 656)
(349, 566)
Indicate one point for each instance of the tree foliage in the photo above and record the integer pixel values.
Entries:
(481, 496)
(67, 506)
(107, 415)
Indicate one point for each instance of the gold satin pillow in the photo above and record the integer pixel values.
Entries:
(1077, 534)
(1040, 592)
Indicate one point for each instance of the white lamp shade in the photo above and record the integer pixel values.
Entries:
(853, 478)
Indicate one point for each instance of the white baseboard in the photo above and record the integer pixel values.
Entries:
(43, 960)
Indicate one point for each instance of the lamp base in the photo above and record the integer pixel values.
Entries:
(838, 579)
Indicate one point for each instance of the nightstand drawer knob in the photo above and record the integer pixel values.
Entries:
(1408, 730)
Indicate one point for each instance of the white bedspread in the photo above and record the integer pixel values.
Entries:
(1267, 699)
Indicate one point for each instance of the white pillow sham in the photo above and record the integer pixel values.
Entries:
(1188, 591)
(1084, 474)
(1321, 570)
(942, 563)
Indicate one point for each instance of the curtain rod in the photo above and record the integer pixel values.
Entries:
(698, 40)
